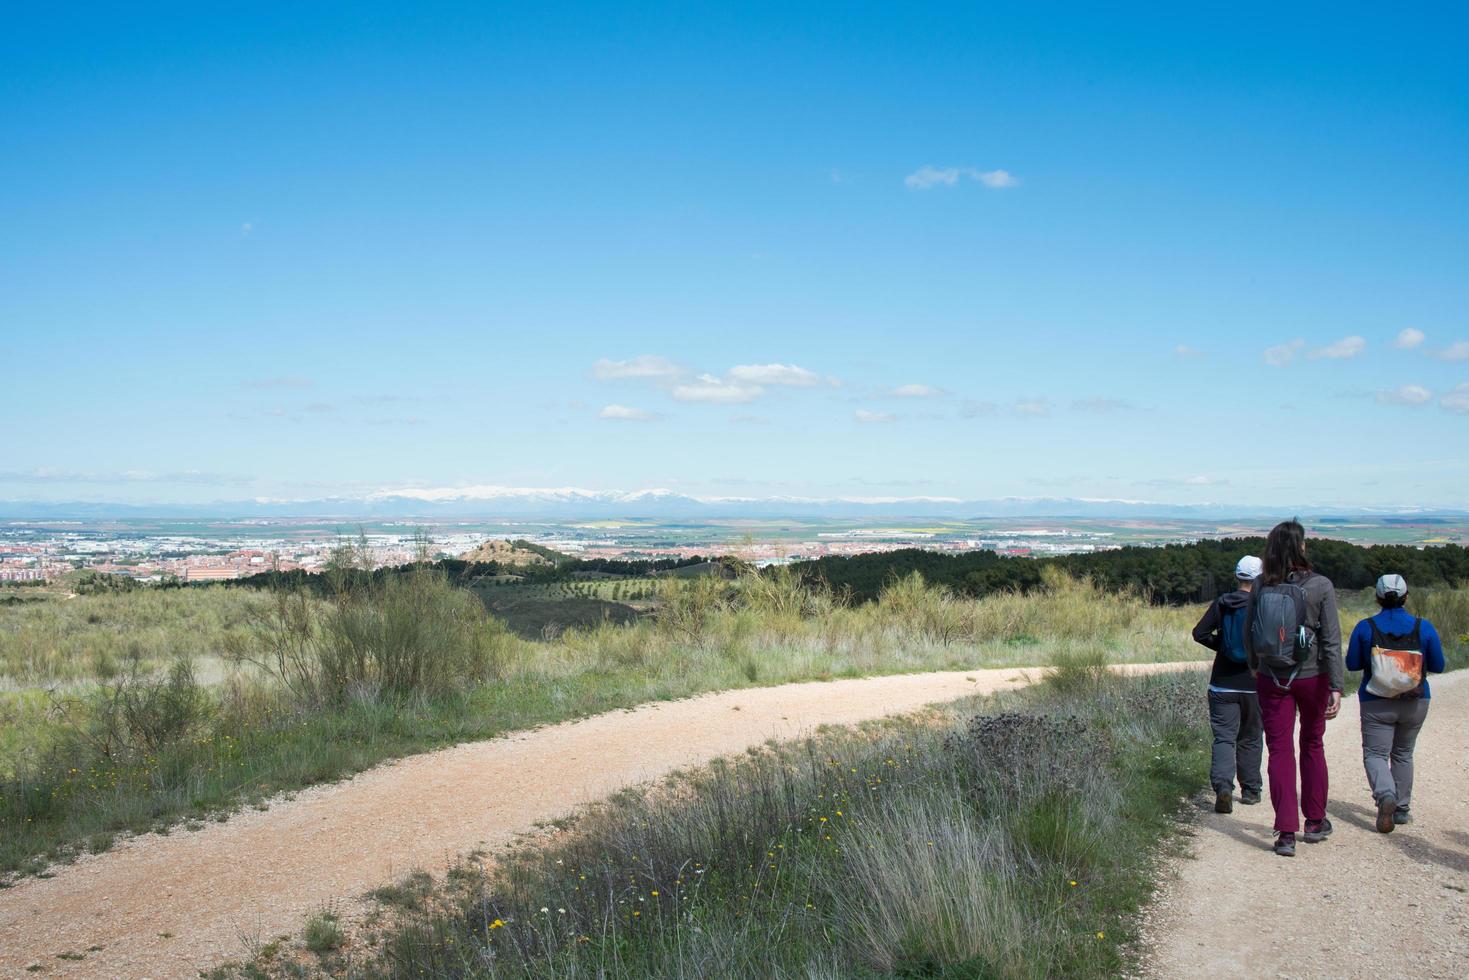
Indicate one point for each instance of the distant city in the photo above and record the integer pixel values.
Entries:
(157, 550)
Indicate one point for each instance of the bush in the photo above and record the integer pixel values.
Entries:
(137, 711)
(392, 636)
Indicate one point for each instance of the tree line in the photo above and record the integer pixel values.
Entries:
(1175, 573)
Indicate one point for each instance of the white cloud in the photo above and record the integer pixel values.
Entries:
(1184, 350)
(1205, 481)
(1102, 406)
(644, 367)
(284, 382)
(1457, 401)
(864, 416)
(1034, 407)
(917, 391)
(1408, 338)
(928, 176)
(1341, 350)
(708, 388)
(995, 178)
(622, 413)
(774, 374)
(46, 474)
(1405, 395)
(246, 228)
(1457, 351)
(1282, 354)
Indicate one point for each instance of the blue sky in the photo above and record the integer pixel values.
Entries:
(962, 250)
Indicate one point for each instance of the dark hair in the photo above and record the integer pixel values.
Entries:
(1392, 600)
(1285, 552)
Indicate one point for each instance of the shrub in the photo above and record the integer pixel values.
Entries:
(399, 635)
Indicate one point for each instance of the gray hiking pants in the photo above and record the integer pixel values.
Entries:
(1238, 741)
(1389, 730)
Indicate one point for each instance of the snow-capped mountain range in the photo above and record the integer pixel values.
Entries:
(576, 503)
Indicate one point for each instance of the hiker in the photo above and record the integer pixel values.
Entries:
(1395, 651)
(1234, 707)
(1293, 639)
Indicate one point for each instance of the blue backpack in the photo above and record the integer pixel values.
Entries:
(1232, 634)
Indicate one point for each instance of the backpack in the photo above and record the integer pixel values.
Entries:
(1279, 636)
(1232, 634)
(1398, 666)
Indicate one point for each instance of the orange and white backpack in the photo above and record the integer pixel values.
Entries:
(1398, 665)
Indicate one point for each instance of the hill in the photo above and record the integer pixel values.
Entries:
(513, 553)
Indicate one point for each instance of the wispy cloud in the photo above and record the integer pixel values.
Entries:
(1345, 348)
(624, 413)
(644, 367)
(928, 177)
(387, 398)
(283, 382)
(774, 374)
(1199, 480)
(710, 389)
(1457, 400)
(409, 420)
(749, 419)
(1184, 350)
(973, 409)
(320, 408)
(1282, 354)
(1033, 407)
(917, 391)
(1457, 351)
(1101, 406)
(46, 474)
(870, 418)
(1405, 395)
(1408, 338)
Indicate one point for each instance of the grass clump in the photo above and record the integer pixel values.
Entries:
(323, 934)
(1012, 838)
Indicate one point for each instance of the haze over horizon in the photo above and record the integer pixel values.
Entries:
(760, 252)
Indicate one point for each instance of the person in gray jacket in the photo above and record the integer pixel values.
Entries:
(1311, 687)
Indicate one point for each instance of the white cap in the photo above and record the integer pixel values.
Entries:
(1391, 585)
(1249, 568)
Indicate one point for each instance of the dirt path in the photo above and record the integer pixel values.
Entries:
(1234, 910)
(167, 906)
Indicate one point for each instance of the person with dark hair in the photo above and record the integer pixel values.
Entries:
(1234, 707)
(1293, 641)
(1395, 651)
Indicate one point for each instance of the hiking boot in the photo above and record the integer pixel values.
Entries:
(1224, 801)
(1400, 817)
(1387, 807)
(1285, 845)
(1249, 797)
(1318, 830)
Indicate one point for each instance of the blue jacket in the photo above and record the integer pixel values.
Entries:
(1359, 651)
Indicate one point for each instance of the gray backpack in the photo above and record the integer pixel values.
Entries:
(1279, 636)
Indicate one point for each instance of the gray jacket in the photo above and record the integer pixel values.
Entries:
(1322, 620)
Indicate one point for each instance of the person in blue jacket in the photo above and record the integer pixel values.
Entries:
(1390, 724)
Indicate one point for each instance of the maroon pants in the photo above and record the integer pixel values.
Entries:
(1278, 707)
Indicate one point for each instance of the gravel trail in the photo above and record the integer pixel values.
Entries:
(166, 906)
(1360, 903)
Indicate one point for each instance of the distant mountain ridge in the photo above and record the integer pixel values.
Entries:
(575, 503)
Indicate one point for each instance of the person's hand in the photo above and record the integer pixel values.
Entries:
(1333, 705)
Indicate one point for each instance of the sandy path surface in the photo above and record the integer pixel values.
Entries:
(1238, 910)
(165, 906)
